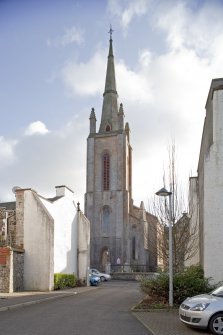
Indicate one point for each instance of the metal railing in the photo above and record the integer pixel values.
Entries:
(128, 268)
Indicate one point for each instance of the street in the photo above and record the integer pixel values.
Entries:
(103, 310)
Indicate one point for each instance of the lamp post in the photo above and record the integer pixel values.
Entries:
(164, 193)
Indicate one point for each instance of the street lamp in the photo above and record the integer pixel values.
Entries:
(164, 193)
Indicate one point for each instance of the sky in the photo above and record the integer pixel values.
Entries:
(53, 57)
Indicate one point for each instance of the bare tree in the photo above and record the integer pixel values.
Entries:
(185, 234)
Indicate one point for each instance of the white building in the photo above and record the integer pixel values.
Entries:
(210, 185)
(53, 235)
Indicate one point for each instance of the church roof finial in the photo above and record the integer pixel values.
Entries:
(110, 32)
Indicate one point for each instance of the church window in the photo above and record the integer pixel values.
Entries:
(108, 128)
(106, 171)
(105, 220)
(134, 248)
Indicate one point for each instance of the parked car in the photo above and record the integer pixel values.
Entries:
(94, 280)
(103, 276)
(204, 311)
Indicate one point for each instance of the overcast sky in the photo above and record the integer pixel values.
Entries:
(53, 57)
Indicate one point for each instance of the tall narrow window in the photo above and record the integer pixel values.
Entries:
(105, 219)
(133, 248)
(106, 171)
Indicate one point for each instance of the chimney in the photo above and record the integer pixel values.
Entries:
(62, 190)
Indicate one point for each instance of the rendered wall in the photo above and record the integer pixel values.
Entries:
(83, 246)
(38, 235)
(213, 196)
(193, 256)
(63, 211)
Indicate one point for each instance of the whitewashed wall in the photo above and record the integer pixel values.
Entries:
(55, 236)
(64, 213)
(213, 196)
(193, 256)
(38, 243)
(83, 246)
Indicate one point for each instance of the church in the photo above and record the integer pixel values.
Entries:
(123, 236)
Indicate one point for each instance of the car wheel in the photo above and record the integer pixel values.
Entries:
(216, 324)
(102, 278)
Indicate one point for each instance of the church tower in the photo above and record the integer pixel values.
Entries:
(108, 198)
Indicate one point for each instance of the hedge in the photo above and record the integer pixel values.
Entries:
(62, 280)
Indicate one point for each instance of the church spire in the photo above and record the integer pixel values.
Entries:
(109, 117)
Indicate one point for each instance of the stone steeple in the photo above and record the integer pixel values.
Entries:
(109, 116)
(118, 228)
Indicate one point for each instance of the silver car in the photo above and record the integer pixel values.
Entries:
(103, 276)
(204, 311)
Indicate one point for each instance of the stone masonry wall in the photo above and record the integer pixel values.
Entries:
(11, 234)
(2, 224)
(11, 269)
(7, 227)
(4, 269)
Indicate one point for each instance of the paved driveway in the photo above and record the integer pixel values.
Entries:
(102, 311)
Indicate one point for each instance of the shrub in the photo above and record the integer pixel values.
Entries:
(187, 283)
(156, 287)
(62, 280)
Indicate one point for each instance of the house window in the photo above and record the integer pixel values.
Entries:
(105, 220)
(106, 171)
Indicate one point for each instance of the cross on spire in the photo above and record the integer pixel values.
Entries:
(110, 31)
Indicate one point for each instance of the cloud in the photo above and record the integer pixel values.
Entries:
(133, 85)
(70, 36)
(85, 78)
(190, 29)
(7, 151)
(163, 92)
(128, 12)
(36, 128)
(42, 162)
(88, 79)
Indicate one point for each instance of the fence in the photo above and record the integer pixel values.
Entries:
(126, 268)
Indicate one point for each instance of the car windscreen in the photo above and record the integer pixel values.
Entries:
(218, 292)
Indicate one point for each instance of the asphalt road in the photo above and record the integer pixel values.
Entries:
(102, 311)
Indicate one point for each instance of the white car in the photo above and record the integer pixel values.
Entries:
(204, 311)
(103, 276)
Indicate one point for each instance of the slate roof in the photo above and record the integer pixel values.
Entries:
(8, 205)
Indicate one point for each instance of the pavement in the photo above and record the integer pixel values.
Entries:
(158, 322)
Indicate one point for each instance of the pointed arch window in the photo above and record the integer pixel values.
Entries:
(106, 171)
(133, 248)
(105, 220)
(108, 128)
